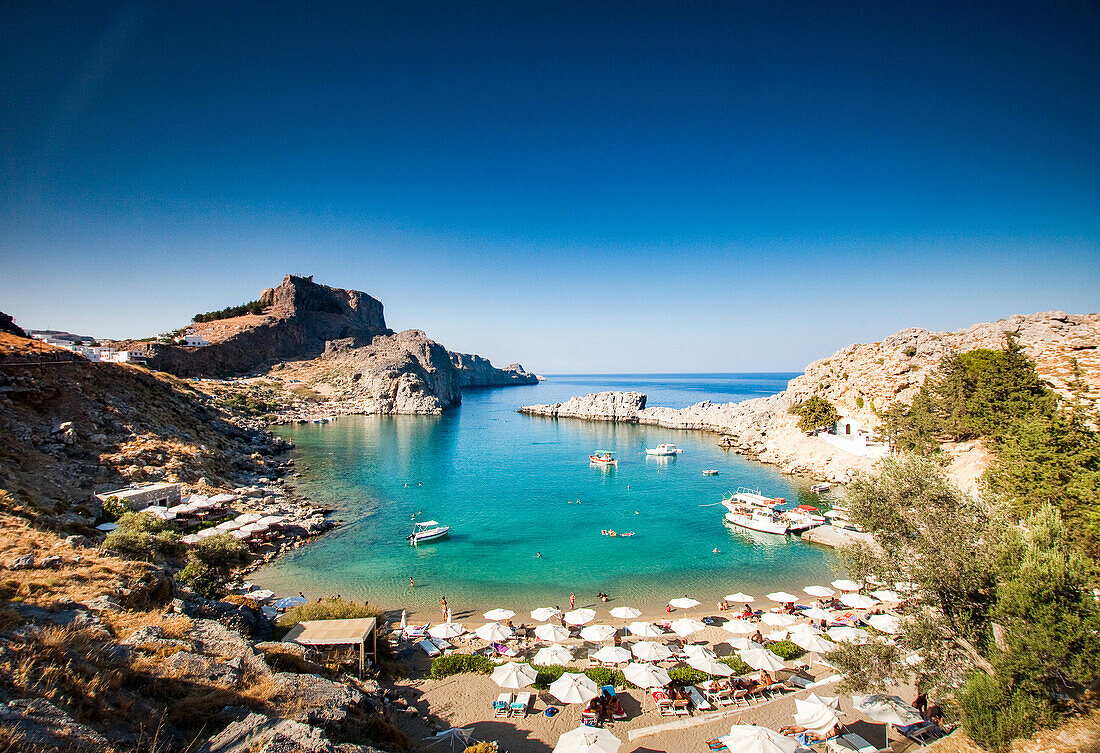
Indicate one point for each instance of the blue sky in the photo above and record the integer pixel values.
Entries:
(634, 187)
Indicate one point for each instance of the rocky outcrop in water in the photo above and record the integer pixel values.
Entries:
(475, 371)
(624, 407)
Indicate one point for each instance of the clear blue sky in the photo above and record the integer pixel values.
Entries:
(634, 187)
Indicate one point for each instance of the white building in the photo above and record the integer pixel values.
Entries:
(853, 437)
(195, 340)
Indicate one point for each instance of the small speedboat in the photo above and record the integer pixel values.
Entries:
(427, 530)
(603, 457)
(663, 450)
(710, 472)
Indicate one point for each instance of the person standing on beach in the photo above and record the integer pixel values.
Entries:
(412, 583)
(443, 607)
(572, 600)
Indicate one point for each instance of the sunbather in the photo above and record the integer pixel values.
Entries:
(807, 736)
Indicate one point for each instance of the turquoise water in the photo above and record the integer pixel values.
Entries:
(514, 486)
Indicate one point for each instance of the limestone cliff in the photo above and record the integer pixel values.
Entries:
(475, 371)
(623, 407)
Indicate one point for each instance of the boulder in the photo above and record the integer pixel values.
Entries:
(23, 562)
(39, 723)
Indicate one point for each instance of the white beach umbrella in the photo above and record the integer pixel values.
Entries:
(404, 620)
(761, 658)
(207, 533)
(240, 534)
(846, 585)
(514, 675)
(817, 613)
(885, 594)
(646, 675)
(650, 651)
(612, 655)
(777, 635)
(573, 688)
(493, 632)
(446, 630)
(625, 613)
(748, 738)
(552, 633)
(738, 643)
(190, 539)
(815, 644)
(454, 739)
(253, 528)
(888, 709)
(814, 716)
(740, 598)
(246, 518)
(832, 702)
(495, 615)
(887, 623)
(710, 666)
(821, 592)
(857, 601)
(645, 630)
(845, 634)
(579, 616)
(227, 526)
(586, 739)
(740, 627)
(695, 649)
(684, 627)
(542, 614)
(775, 619)
(552, 655)
(906, 587)
(684, 603)
(783, 597)
(598, 633)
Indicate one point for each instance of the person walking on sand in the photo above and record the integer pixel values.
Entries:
(572, 600)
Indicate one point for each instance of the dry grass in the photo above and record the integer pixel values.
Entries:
(122, 624)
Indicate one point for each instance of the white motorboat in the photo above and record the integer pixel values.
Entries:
(750, 509)
(757, 520)
(839, 517)
(427, 530)
(663, 450)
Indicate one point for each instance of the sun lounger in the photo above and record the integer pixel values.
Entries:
(680, 707)
(501, 705)
(417, 631)
(921, 733)
(442, 645)
(851, 743)
(664, 703)
(503, 650)
(519, 706)
(429, 648)
(697, 699)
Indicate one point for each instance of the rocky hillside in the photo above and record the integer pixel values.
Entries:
(860, 379)
(475, 371)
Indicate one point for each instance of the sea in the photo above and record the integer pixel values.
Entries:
(530, 515)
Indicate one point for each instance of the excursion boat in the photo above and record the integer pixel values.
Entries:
(756, 519)
(427, 530)
(603, 457)
(748, 508)
(822, 487)
(663, 450)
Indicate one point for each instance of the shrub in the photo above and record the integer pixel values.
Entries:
(734, 662)
(859, 401)
(815, 413)
(456, 664)
(993, 718)
(488, 746)
(140, 536)
(113, 508)
(687, 675)
(787, 650)
(327, 609)
(252, 307)
(210, 564)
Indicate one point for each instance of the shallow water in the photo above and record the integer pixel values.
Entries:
(514, 487)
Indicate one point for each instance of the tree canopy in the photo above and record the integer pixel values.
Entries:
(815, 413)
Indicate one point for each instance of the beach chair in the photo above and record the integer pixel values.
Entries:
(697, 699)
(429, 648)
(519, 706)
(922, 733)
(739, 697)
(680, 707)
(413, 632)
(664, 703)
(501, 705)
(503, 650)
(852, 743)
(443, 645)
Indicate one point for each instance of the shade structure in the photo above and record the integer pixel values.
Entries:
(190, 539)
(817, 613)
(814, 716)
(693, 650)
(625, 613)
(555, 654)
(683, 602)
(253, 528)
(747, 738)
(598, 633)
(446, 630)
(832, 702)
(645, 630)
(887, 623)
(493, 632)
(846, 634)
(227, 526)
(739, 642)
(710, 666)
(262, 595)
(495, 615)
(646, 675)
(247, 517)
(542, 614)
(806, 628)
(857, 601)
(552, 633)
(579, 616)
(685, 627)
(650, 651)
(779, 634)
(813, 643)
(514, 675)
(204, 533)
(885, 594)
(886, 708)
(573, 688)
(455, 739)
(821, 592)
(240, 534)
(740, 627)
(289, 602)
(272, 520)
(761, 658)
(740, 598)
(612, 655)
(783, 597)
(776, 619)
(846, 585)
(587, 740)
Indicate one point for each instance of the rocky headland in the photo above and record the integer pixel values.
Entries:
(861, 379)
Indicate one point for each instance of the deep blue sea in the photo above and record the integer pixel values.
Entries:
(514, 487)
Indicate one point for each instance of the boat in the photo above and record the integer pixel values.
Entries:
(664, 450)
(840, 517)
(750, 509)
(427, 530)
(822, 487)
(710, 472)
(603, 457)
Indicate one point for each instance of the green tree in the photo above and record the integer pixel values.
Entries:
(912, 428)
(210, 564)
(142, 536)
(815, 413)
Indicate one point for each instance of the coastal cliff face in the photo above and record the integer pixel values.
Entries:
(475, 371)
(859, 379)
